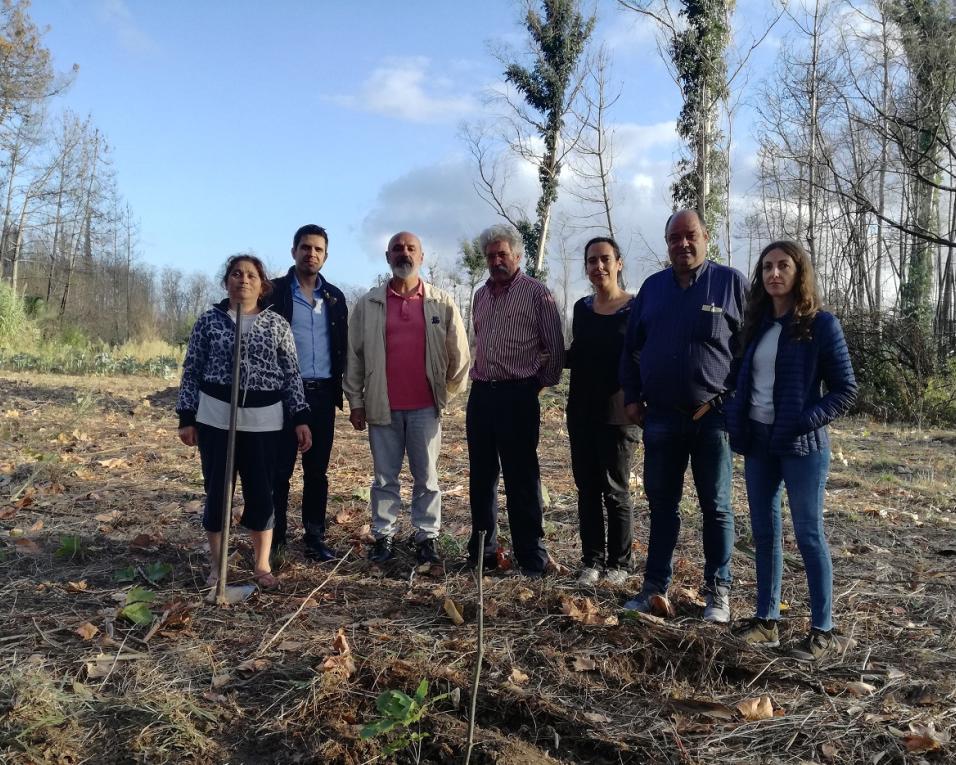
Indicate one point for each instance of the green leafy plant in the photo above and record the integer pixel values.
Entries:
(71, 548)
(137, 606)
(401, 711)
(154, 573)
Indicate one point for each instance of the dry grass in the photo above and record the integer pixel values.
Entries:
(290, 678)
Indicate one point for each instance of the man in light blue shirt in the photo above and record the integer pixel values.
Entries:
(316, 310)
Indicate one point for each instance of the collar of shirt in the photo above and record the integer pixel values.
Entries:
(418, 292)
(297, 288)
(695, 274)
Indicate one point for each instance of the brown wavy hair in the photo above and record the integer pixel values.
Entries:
(806, 299)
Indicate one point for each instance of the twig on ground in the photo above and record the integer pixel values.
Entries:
(481, 647)
(263, 646)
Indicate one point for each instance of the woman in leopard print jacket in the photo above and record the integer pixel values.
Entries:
(269, 380)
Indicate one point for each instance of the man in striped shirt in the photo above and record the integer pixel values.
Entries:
(519, 349)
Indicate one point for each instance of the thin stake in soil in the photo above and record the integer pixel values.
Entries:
(228, 485)
(481, 646)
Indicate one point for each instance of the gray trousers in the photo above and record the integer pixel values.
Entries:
(417, 433)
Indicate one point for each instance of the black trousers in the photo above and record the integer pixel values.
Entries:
(502, 424)
(315, 465)
(601, 462)
(255, 463)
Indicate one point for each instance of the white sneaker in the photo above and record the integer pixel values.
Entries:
(589, 577)
(615, 576)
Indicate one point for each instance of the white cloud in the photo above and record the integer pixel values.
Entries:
(406, 89)
(634, 143)
(117, 15)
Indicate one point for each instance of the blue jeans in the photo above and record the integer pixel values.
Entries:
(417, 433)
(805, 478)
(671, 440)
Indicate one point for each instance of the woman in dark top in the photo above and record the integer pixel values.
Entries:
(602, 438)
(777, 420)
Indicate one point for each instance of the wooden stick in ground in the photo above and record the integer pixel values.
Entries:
(227, 483)
(481, 646)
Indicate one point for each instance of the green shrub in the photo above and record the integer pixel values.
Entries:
(14, 324)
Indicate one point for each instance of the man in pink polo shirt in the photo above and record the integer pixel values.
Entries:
(407, 355)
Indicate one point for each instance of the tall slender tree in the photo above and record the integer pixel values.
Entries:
(557, 36)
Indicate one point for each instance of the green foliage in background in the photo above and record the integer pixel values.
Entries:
(15, 327)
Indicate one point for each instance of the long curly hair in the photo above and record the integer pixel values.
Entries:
(806, 299)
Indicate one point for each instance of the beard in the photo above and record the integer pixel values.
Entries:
(403, 269)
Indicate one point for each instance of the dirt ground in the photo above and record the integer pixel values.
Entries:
(100, 509)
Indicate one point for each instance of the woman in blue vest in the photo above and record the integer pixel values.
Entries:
(795, 377)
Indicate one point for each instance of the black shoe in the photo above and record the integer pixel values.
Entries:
(318, 550)
(426, 551)
(382, 551)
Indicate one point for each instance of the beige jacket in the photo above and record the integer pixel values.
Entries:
(446, 350)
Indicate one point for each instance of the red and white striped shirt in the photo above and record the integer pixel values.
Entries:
(517, 333)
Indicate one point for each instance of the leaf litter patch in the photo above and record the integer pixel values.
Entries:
(108, 653)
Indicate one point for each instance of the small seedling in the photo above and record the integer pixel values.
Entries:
(127, 574)
(71, 548)
(154, 573)
(399, 710)
(137, 606)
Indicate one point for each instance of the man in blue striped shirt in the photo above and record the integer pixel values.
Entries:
(681, 339)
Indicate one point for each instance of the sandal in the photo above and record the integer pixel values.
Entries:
(266, 580)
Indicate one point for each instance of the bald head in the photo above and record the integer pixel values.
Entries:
(404, 255)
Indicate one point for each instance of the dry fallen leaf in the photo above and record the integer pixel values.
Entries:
(453, 613)
(596, 718)
(218, 681)
(7, 512)
(79, 586)
(860, 688)
(342, 664)
(756, 709)
(584, 663)
(343, 516)
(109, 517)
(253, 665)
(27, 546)
(86, 631)
(113, 463)
(37, 525)
(517, 676)
(97, 669)
(339, 643)
(583, 610)
(142, 541)
(523, 594)
(290, 645)
(828, 752)
(924, 738)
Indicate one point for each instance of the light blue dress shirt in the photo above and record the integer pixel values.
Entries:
(310, 329)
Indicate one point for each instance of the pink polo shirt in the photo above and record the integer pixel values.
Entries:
(408, 386)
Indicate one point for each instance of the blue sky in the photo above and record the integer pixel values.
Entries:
(232, 123)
